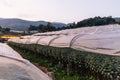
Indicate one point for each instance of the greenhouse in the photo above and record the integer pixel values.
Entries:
(101, 39)
(91, 49)
(14, 67)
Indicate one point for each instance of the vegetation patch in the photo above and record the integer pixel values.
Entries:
(71, 62)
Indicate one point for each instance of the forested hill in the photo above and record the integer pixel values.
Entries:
(20, 24)
(96, 21)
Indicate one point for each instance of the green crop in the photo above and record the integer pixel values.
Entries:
(102, 67)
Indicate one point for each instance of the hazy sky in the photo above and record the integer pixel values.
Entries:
(58, 10)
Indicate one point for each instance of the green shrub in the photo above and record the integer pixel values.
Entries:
(119, 22)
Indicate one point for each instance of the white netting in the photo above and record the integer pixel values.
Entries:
(7, 51)
(47, 40)
(14, 67)
(62, 41)
(35, 39)
(100, 39)
(100, 45)
(14, 40)
(26, 37)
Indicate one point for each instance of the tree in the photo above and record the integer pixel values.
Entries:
(0, 27)
(49, 27)
(43, 28)
(4, 29)
(96, 21)
(7, 29)
(40, 28)
(32, 27)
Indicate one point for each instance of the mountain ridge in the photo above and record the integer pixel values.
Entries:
(21, 24)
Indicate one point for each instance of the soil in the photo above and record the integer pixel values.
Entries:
(44, 69)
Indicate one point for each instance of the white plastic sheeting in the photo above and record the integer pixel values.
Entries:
(14, 67)
(84, 30)
(47, 40)
(15, 40)
(35, 39)
(105, 45)
(26, 37)
(7, 51)
(100, 39)
(62, 41)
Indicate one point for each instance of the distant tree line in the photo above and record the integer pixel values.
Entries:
(4, 29)
(96, 21)
(43, 28)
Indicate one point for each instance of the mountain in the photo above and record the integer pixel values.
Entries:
(117, 19)
(20, 24)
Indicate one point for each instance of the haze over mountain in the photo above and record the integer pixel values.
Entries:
(20, 24)
(117, 19)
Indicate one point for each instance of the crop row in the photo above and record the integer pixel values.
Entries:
(103, 67)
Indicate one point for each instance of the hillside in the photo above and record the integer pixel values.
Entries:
(117, 19)
(19, 24)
